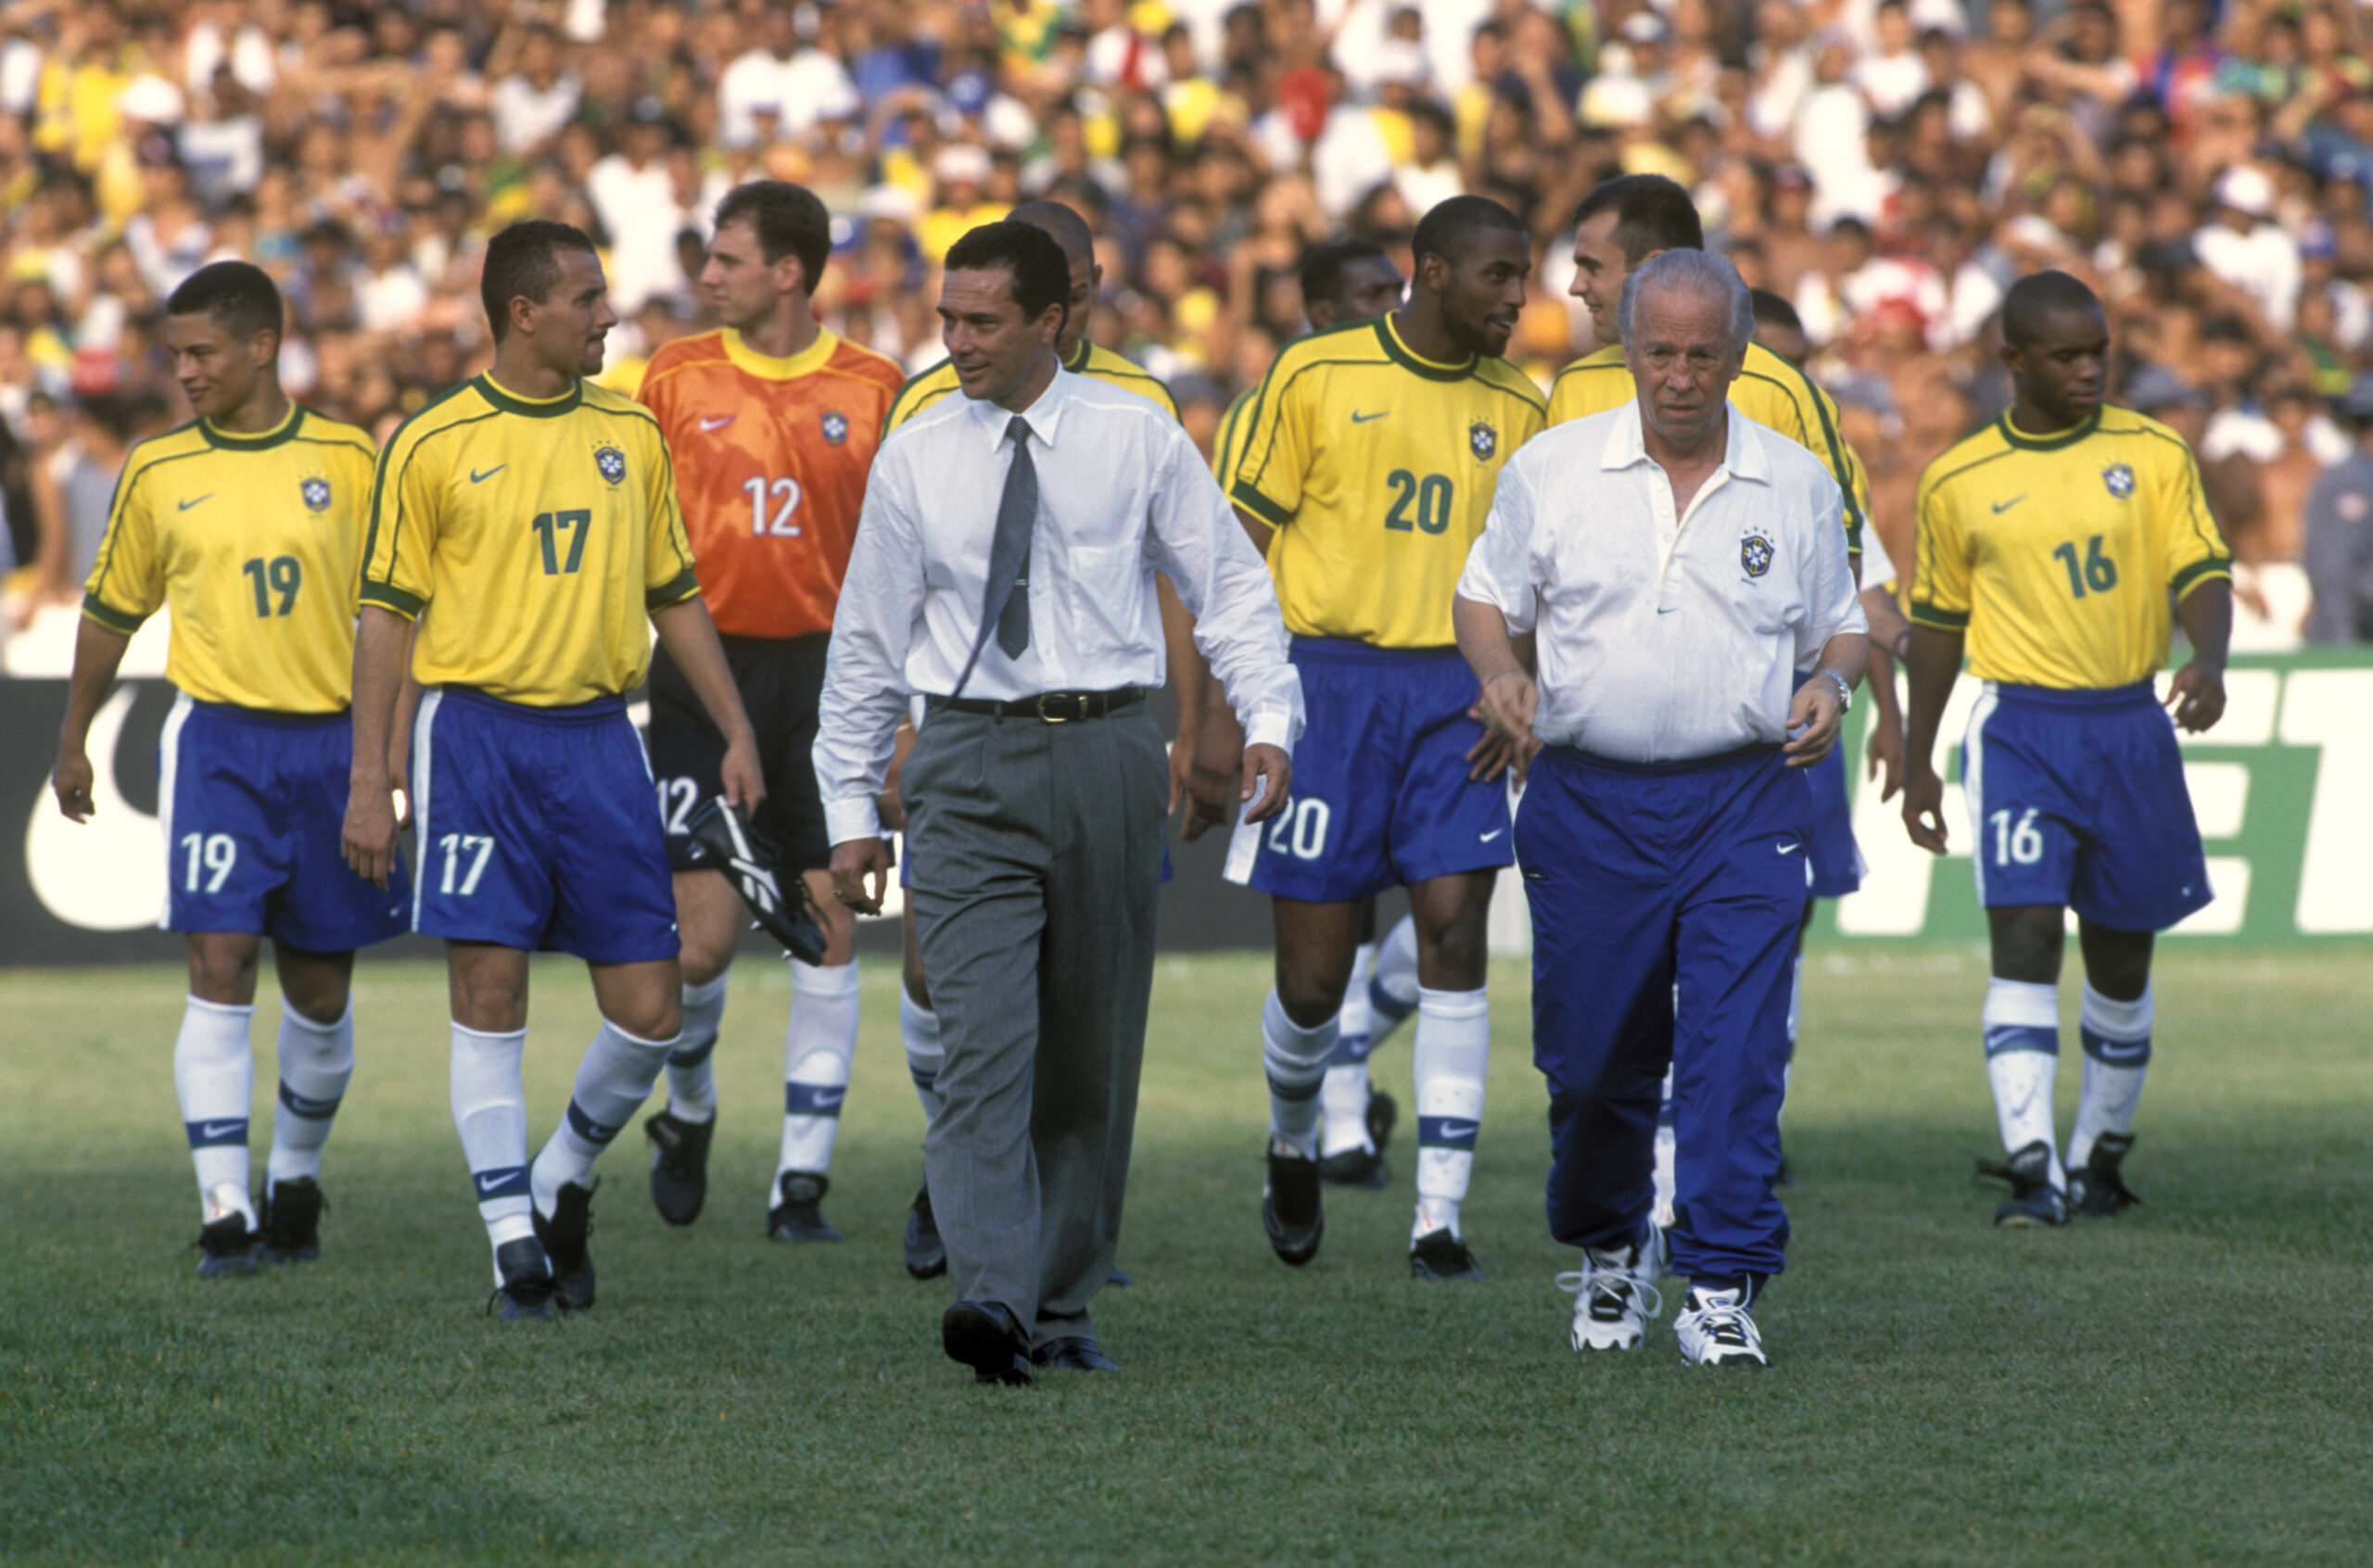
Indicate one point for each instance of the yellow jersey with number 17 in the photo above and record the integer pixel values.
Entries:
(255, 540)
(543, 532)
(1377, 468)
(2056, 553)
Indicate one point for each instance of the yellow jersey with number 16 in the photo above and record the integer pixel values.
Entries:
(1377, 467)
(255, 540)
(542, 533)
(2057, 553)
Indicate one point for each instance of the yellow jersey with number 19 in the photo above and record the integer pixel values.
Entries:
(1377, 468)
(255, 540)
(543, 532)
(2056, 553)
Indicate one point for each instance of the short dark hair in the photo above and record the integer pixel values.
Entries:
(522, 261)
(1773, 311)
(1071, 230)
(240, 296)
(788, 220)
(2039, 294)
(1450, 229)
(1652, 213)
(1031, 257)
(1323, 265)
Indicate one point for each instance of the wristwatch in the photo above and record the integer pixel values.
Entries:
(1845, 692)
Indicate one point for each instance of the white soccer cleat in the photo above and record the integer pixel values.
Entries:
(1615, 1293)
(1715, 1331)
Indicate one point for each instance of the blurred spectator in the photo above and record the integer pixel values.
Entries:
(2339, 533)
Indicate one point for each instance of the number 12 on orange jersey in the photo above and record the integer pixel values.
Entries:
(785, 494)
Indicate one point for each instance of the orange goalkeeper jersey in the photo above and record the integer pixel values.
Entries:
(771, 456)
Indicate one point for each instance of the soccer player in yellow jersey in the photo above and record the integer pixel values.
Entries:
(2052, 543)
(531, 517)
(1365, 470)
(248, 522)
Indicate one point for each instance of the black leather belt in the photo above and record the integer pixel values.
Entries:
(1048, 707)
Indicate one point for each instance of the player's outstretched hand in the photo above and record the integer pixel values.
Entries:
(2197, 696)
(73, 781)
(1268, 778)
(855, 864)
(745, 781)
(368, 840)
(1923, 808)
(1886, 756)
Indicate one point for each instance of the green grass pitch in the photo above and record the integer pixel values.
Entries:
(2188, 1383)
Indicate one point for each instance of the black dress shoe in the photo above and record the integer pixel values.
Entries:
(986, 1337)
(1077, 1353)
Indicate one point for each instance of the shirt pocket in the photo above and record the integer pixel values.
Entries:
(1107, 589)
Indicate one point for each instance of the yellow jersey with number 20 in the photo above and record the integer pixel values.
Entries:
(1377, 468)
(2056, 553)
(542, 533)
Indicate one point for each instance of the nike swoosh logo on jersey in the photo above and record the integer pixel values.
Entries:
(1668, 609)
(208, 497)
(477, 478)
(717, 423)
(1359, 418)
(2001, 507)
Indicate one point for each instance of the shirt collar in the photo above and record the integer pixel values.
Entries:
(1041, 416)
(1743, 453)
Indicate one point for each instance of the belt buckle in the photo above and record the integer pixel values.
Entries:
(1046, 697)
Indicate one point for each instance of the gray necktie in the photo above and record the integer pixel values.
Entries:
(1005, 602)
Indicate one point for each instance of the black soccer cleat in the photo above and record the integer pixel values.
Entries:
(795, 1219)
(292, 1221)
(1439, 1256)
(679, 1166)
(1365, 1167)
(227, 1247)
(564, 1239)
(1291, 1210)
(2033, 1200)
(1381, 1115)
(2099, 1191)
(527, 1288)
(926, 1253)
(720, 841)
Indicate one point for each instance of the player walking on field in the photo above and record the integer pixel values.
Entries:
(2052, 542)
(1365, 470)
(249, 523)
(531, 518)
(773, 423)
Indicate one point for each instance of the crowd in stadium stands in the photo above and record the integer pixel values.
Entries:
(1889, 166)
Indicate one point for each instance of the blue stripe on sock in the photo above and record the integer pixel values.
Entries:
(585, 1126)
(694, 1056)
(813, 1099)
(2115, 1053)
(1350, 1050)
(312, 1110)
(503, 1180)
(1448, 1133)
(2021, 1036)
(217, 1132)
(1295, 1093)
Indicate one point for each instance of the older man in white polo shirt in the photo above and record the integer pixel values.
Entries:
(1678, 566)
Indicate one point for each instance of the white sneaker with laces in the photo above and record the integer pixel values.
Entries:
(1615, 1293)
(1715, 1330)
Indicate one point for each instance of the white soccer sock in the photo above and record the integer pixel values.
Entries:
(1796, 1003)
(2117, 1054)
(2021, 1021)
(1392, 991)
(491, 1112)
(691, 1083)
(918, 1027)
(1663, 1180)
(316, 1063)
(1452, 1051)
(818, 1046)
(214, 1074)
(612, 1083)
(1344, 1095)
(1295, 1059)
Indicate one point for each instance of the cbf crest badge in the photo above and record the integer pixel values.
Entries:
(836, 428)
(2120, 480)
(1482, 440)
(611, 464)
(316, 493)
(1754, 555)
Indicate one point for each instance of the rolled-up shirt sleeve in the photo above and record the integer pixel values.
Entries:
(1196, 539)
(865, 676)
(1499, 564)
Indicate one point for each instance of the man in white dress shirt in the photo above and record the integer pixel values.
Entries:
(1003, 569)
(1678, 566)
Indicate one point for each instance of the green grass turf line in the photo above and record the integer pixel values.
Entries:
(2187, 1384)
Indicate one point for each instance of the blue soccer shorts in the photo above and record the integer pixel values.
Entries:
(253, 805)
(1381, 796)
(539, 828)
(1833, 860)
(2077, 798)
